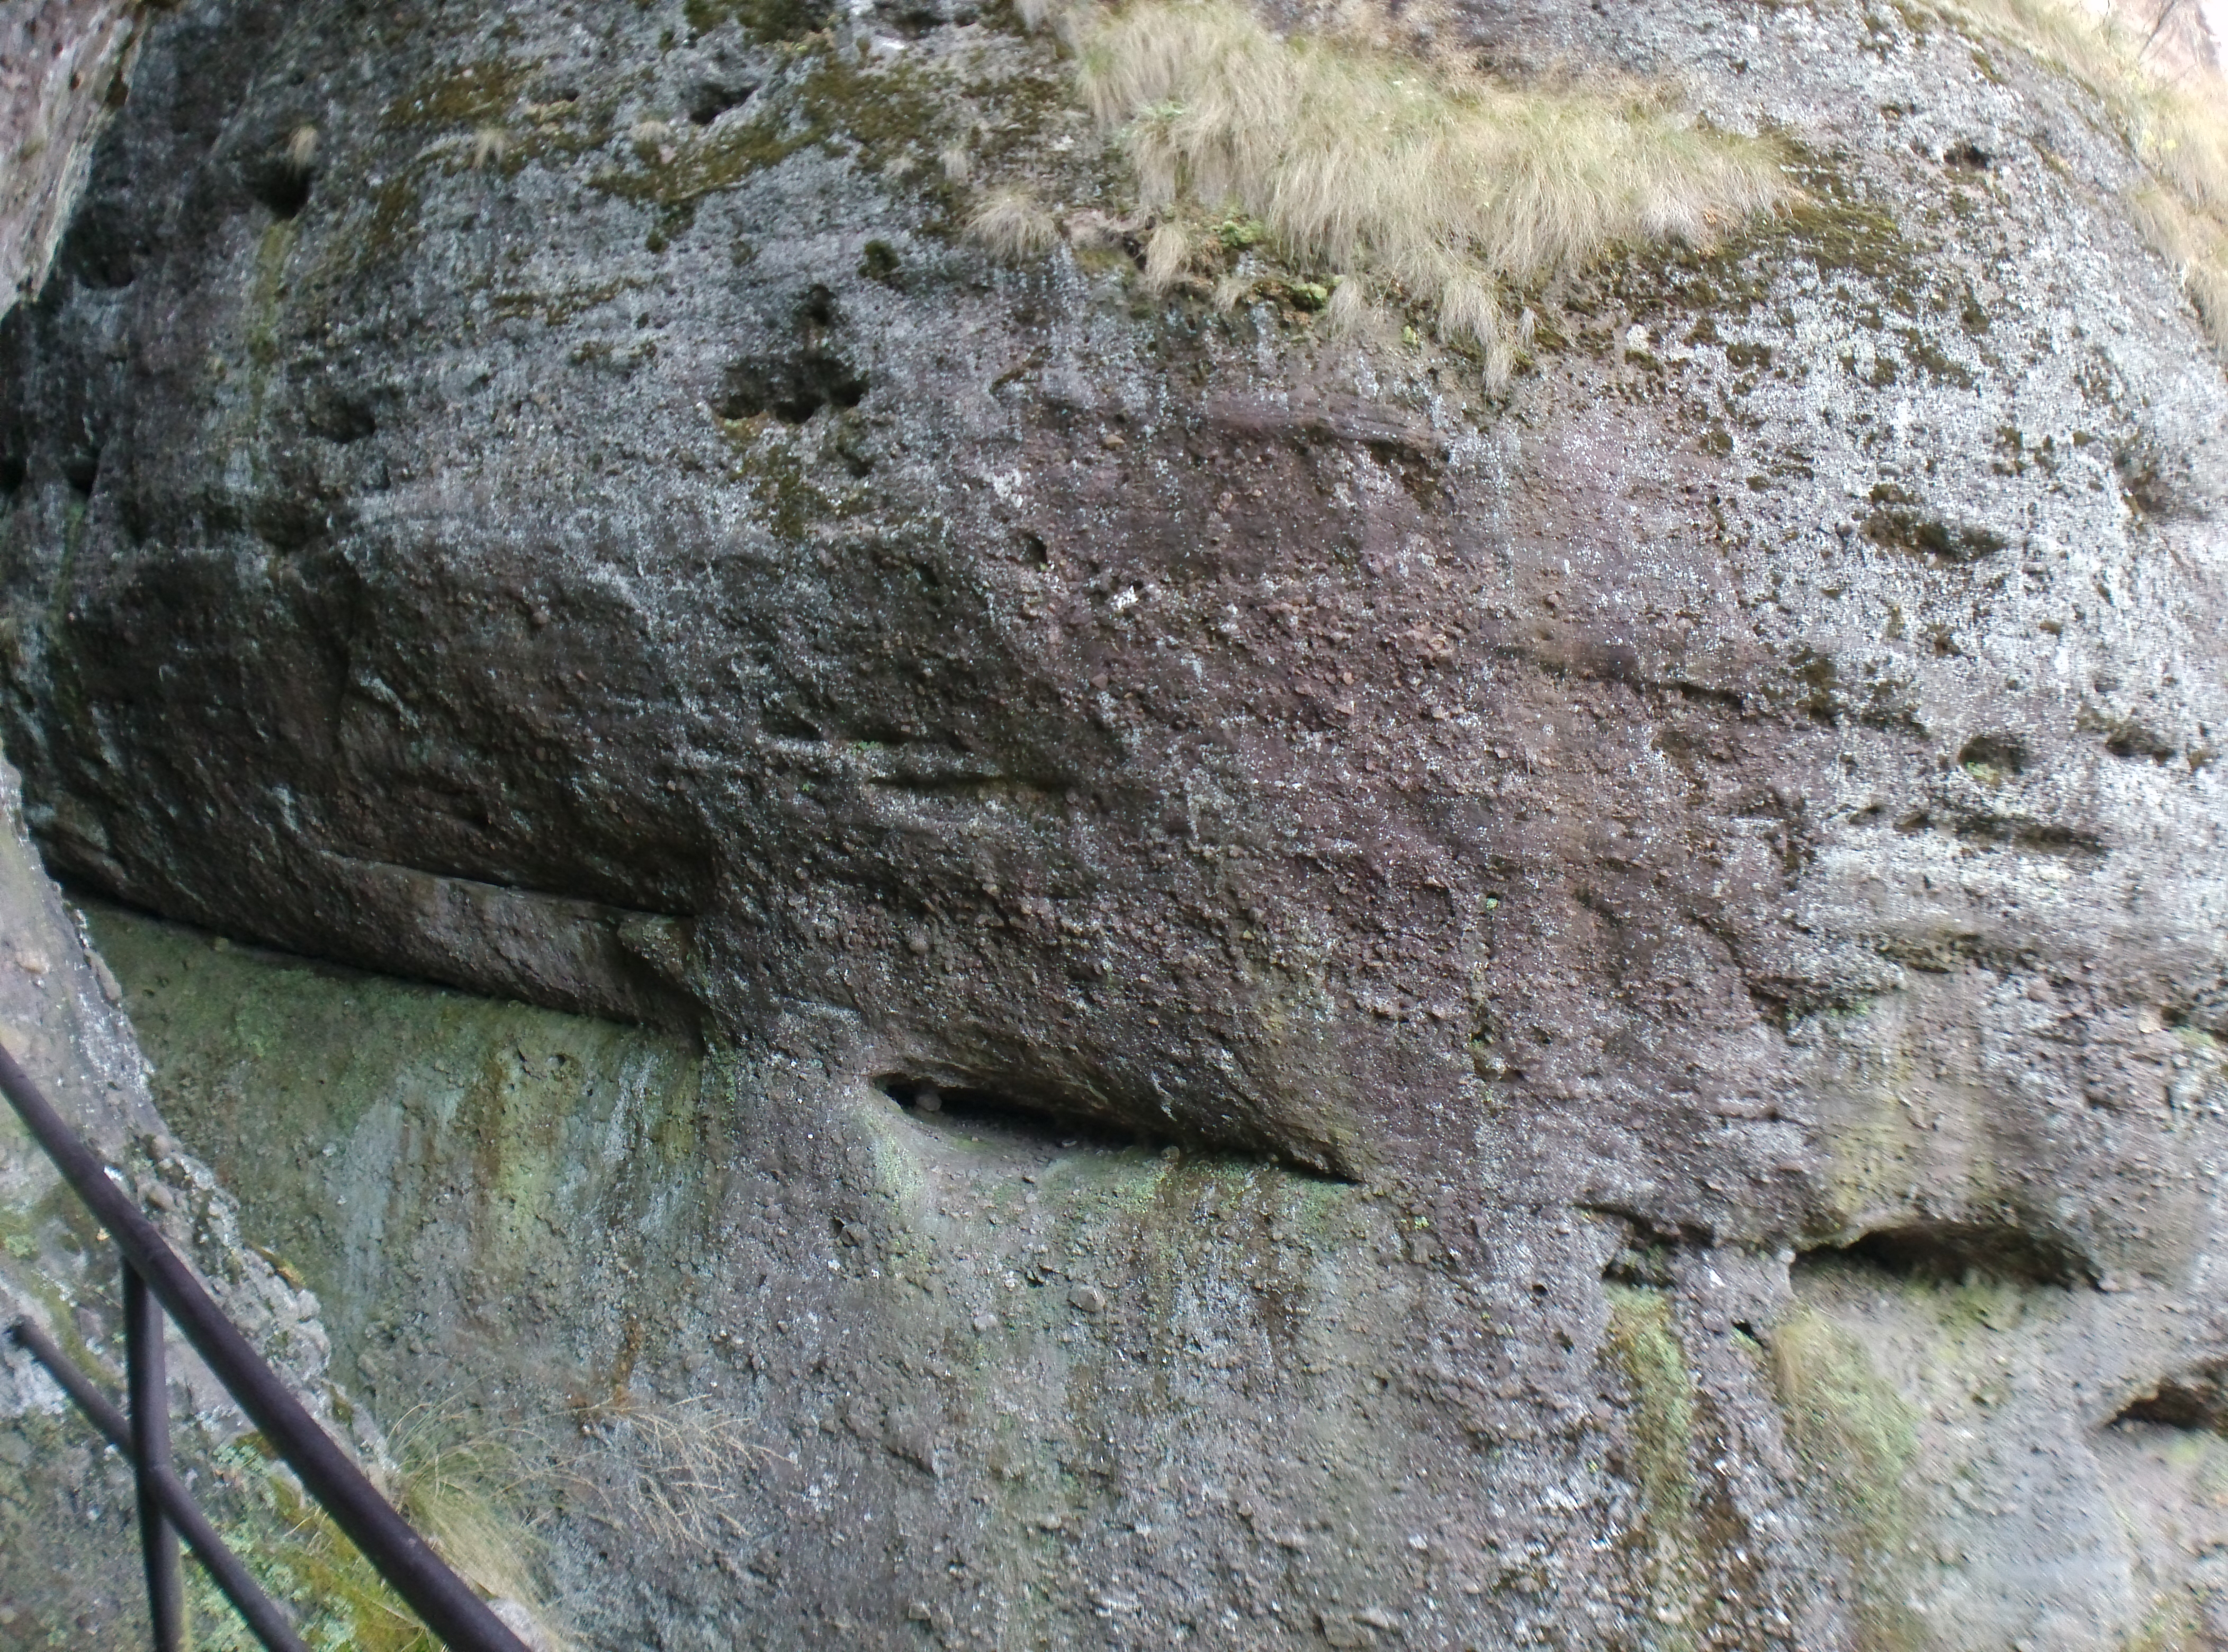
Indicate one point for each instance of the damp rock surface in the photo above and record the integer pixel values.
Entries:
(1587, 1014)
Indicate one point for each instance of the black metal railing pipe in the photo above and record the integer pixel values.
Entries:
(442, 1600)
(262, 1615)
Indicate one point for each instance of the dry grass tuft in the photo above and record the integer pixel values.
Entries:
(653, 142)
(2177, 125)
(1014, 224)
(682, 1473)
(459, 1490)
(1423, 178)
(1348, 312)
(1167, 254)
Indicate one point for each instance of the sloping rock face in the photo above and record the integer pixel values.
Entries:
(1661, 932)
(64, 65)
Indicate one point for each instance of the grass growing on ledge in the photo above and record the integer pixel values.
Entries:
(1419, 177)
(457, 1492)
(2177, 126)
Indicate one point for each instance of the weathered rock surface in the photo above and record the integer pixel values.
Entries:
(64, 66)
(1673, 919)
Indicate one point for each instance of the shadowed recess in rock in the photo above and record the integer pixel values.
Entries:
(2196, 1401)
(991, 1118)
(1946, 1254)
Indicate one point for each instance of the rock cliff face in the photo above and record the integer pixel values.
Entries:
(1284, 1002)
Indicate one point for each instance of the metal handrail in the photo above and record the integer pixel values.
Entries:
(157, 1281)
(262, 1614)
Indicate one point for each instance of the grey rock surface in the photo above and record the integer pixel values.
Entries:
(65, 66)
(1672, 920)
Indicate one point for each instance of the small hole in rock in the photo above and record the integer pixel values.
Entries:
(2002, 753)
(281, 184)
(2128, 737)
(340, 418)
(1641, 1264)
(791, 390)
(708, 99)
(793, 385)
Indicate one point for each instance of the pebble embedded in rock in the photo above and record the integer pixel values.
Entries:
(1090, 1298)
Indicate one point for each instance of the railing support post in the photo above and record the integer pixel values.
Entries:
(148, 1387)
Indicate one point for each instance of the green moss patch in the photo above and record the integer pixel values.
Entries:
(1857, 1438)
(825, 98)
(1645, 1345)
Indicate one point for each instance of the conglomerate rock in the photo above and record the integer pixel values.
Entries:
(1585, 1016)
